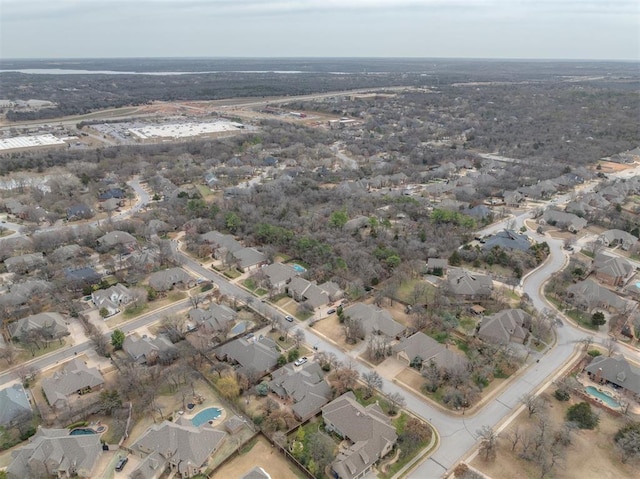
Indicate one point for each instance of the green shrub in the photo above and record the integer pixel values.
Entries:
(562, 395)
(582, 415)
(594, 353)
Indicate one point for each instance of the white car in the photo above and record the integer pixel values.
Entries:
(301, 361)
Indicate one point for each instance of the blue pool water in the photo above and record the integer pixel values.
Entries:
(206, 415)
(299, 268)
(603, 397)
(81, 431)
(239, 328)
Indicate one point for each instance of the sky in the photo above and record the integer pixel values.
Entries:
(527, 29)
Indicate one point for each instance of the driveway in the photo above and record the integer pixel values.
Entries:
(390, 368)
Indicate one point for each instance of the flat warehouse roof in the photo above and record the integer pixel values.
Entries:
(183, 130)
(29, 141)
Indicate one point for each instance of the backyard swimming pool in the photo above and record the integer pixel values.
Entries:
(206, 415)
(82, 431)
(239, 328)
(605, 398)
(298, 268)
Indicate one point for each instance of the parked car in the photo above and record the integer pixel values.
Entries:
(289, 318)
(121, 463)
(331, 311)
(301, 361)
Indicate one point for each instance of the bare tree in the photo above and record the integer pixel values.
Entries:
(298, 337)
(372, 381)
(534, 404)
(488, 442)
(515, 436)
(396, 401)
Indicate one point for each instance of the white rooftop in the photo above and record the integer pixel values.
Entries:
(29, 141)
(183, 130)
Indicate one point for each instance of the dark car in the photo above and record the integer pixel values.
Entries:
(331, 311)
(121, 463)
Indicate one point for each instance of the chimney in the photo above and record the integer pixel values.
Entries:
(598, 377)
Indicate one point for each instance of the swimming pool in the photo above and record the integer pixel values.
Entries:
(239, 328)
(605, 398)
(82, 431)
(206, 415)
(298, 268)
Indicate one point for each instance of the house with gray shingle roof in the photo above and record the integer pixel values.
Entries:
(167, 279)
(20, 293)
(185, 450)
(24, 263)
(249, 259)
(256, 473)
(306, 388)
(469, 284)
(112, 298)
(419, 345)
(374, 320)
(221, 243)
(562, 220)
(254, 357)
(306, 291)
(75, 378)
(277, 276)
(55, 453)
(53, 323)
(612, 270)
(117, 238)
(507, 326)
(217, 317)
(369, 431)
(507, 239)
(617, 371)
(146, 350)
(589, 295)
(611, 238)
(15, 407)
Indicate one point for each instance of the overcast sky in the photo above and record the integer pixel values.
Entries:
(561, 29)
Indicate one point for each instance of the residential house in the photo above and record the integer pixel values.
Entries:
(52, 324)
(277, 276)
(79, 212)
(112, 298)
(589, 295)
(24, 263)
(112, 193)
(255, 357)
(16, 208)
(616, 371)
(66, 253)
(15, 407)
(217, 317)
(612, 270)
(437, 266)
(306, 388)
(75, 378)
(579, 207)
(369, 431)
(507, 239)
(115, 239)
(19, 293)
(167, 279)
(78, 278)
(222, 244)
(256, 473)
(426, 350)
(357, 223)
(184, 450)
(55, 453)
(468, 284)
(375, 320)
(513, 199)
(309, 292)
(562, 220)
(507, 326)
(249, 259)
(146, 350)
(611, 238)
(332, 289)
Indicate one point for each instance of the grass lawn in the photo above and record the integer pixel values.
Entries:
(581, 318)
(232, 273)
(406, 289)
(205, 191)
(250, 284)
(25, 355)
(261, 291)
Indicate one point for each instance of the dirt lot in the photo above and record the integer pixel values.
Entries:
(590, 455)
(262, 455)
